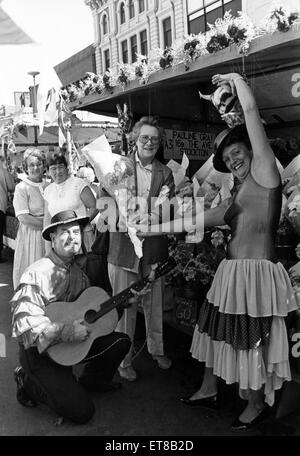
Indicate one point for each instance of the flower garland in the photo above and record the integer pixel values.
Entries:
(94, 83)
(225, 32)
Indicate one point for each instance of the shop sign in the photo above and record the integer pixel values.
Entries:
(197, 145)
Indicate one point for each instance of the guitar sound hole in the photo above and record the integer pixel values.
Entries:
(90, 316)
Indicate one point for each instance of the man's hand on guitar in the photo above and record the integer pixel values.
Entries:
(147, 288)
(137, 295)
(74, 332)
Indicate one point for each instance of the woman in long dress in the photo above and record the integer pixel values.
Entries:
(68, 193)
(241, 334)
(28, 203)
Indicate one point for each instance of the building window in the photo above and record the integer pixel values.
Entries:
(131, 9)
(141, 6)
(122, 13)
(167, 31)
(144, 42)
(105, 24)
(133, 47)
(124, 47)
(106, 60)
(207, 11)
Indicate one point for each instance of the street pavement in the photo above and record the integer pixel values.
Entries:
(148, 407)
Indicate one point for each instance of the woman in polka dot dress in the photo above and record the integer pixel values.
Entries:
(241, 333)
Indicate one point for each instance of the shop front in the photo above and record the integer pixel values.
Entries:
(272, 67)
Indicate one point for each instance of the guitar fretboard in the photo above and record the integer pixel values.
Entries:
(92, 315)
(124, 295)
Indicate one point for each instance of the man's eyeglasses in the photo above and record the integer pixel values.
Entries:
(145, 138)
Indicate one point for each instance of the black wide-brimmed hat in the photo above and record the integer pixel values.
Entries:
(240, 131)
(63, 218)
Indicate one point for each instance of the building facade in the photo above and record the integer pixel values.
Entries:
(125, 28)
(201, 13)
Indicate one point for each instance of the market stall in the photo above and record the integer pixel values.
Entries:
(272, 66)
(170, 88)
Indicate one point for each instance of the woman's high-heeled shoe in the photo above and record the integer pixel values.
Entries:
(239, 425)
(209, 402)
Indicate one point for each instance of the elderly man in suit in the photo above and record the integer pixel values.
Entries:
(124, 267)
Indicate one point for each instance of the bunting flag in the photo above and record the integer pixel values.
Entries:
(10, 32)
(48, 95)
(47, 108)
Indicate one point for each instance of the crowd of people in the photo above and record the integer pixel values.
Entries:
(241, 333)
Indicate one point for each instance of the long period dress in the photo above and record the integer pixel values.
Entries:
(241, 331)
(30, 246)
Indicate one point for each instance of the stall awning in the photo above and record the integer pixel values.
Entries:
(75, 67)
(272, 67)
(25, 137)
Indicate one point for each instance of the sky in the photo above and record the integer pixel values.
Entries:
(60, 28)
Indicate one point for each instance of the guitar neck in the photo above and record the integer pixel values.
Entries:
(91, 315)
(119, 298)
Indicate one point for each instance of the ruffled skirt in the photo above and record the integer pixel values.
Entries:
(241, 332)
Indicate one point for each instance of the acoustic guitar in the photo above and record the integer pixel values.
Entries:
(98, 312)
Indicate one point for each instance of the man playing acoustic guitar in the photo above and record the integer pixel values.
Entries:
(57, 277)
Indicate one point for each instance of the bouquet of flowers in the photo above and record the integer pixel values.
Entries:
(109, 80)
(231, 30)
(116, 175)
(280, 19)
(143, 69)
(125, 74)
(196, 265)
(166, 57)
(194, 46)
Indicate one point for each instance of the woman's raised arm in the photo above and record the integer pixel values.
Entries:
(263, 166)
